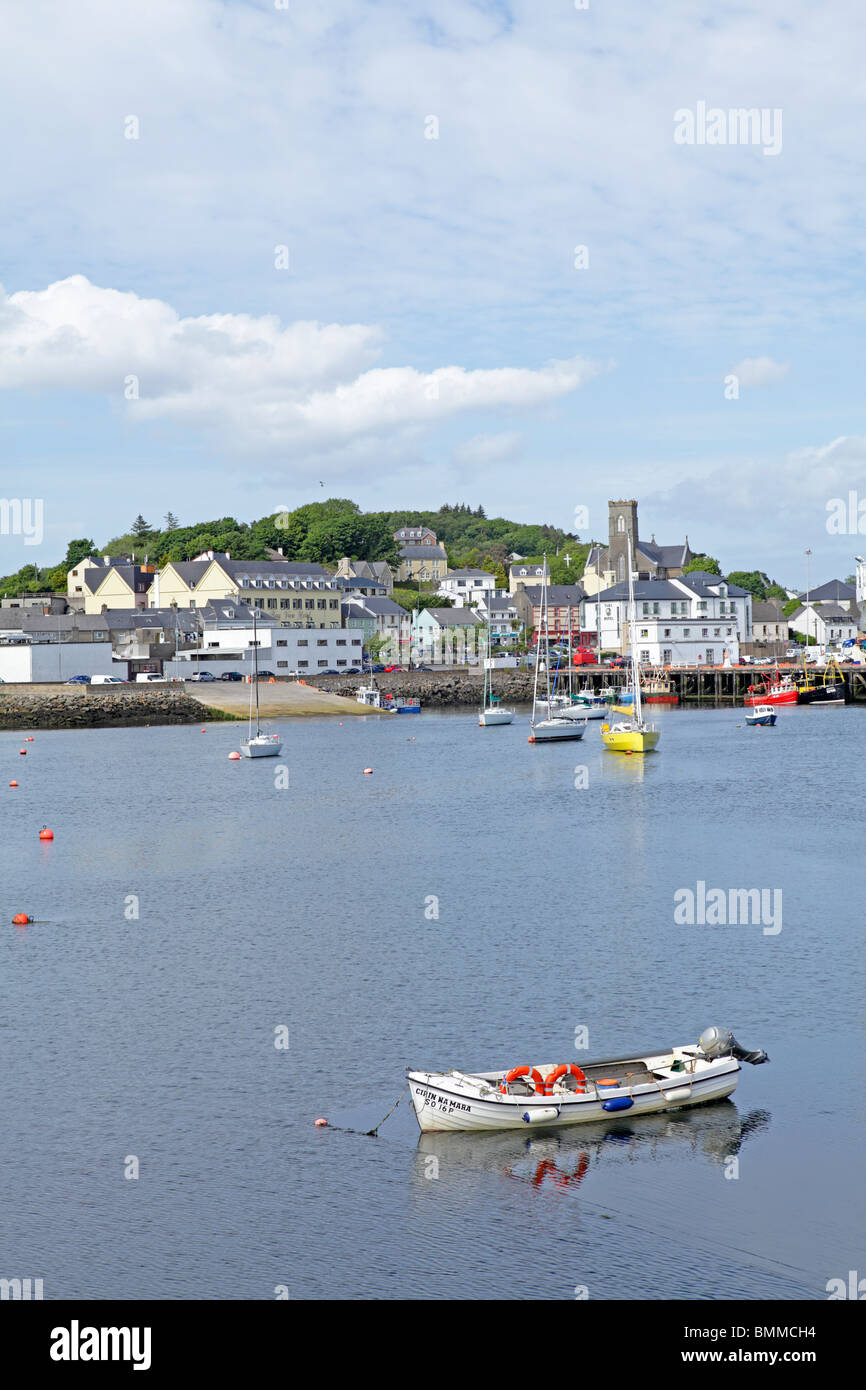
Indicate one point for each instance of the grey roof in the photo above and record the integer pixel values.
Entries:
(226, 610)
(666, 556)
(377, 570)
(190, 571)
(93, 577)
(118, 619)
(833, 589)
(23, 620)
(359, 582)
(531, 567)
(643, 589)
(378, 605)
(453, 617)
(422, 552)
(767, 612)
(825, 611)
(702, 582)
(471, 574)
(560, 595)
(272, 569)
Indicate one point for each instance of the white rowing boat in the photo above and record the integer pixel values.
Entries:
(552, 1095)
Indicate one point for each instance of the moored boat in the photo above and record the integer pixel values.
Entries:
(632, 735)
(262, 743)
(775, 689)
(656, 688)
(552, 1095)
(761, 715)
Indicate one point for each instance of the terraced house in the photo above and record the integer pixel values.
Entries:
(293, 593)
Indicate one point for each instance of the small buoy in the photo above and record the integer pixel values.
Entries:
(234, 757)
(341, 723)
(13, 784)
(204, 731)
(321, 1122)
(21, 919)
(23, 752)
(368, 771)
(46, 834)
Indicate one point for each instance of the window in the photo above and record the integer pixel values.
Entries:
(344, 662)
(296, 602)
(645, 656)
(282, 643)
(309, 603)
(667, 656)
(303, 663)
(322, 603)
(687, 632)
(322, 663)
(356, 641)
(705, 632)
(667, 632)
(302, 642)
(322, 642)
(645, 609)
(281, 663)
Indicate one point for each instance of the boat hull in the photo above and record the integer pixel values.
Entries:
(757, 720)
(629, 740)
(495, 716)
(261, 750)
(440, 1107)
(772, 697)
(555, 730)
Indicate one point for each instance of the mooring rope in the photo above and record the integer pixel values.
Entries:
(374, 1132)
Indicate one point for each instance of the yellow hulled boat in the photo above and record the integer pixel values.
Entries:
(632, 734)
(629, 738)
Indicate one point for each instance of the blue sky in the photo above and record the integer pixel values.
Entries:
(431, 337)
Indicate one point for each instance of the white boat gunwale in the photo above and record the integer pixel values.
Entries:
(485, 1106)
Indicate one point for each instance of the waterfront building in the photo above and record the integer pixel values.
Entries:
(562, 600)
(446, 636)
(828, 624)
(699, 620)
(499, 610)
(380, 617)
(367, 576)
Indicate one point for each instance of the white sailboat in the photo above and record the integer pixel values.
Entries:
(555, 726)
(491, 711)
(259, 744)
(632, 735)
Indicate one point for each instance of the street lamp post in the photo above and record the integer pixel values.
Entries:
(808, 554)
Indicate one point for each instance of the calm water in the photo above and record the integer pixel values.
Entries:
(261, 906)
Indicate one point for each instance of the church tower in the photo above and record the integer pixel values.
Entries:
(622, 522)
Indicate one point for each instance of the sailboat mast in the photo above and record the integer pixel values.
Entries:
(256, 664)
(632, 624)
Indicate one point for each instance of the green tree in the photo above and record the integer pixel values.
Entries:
(171, 522)
(140, 527)
(703, 562)
(751, 580)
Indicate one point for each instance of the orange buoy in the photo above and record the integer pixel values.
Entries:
(321, 1122)
(21, 919)
(23, 752)
(368, 771)
(234, 757)
(13, 784)
(46, 834)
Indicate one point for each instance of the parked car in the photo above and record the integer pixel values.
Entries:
(377, 666)
(231, 676)
(78, 680)
(389, 669)
(618, 661)
(151, 678)
(267, 676)
(107, 680)
(329, 672)
(202, 676)
(353, 671)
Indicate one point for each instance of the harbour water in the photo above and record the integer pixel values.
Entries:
(472, 903)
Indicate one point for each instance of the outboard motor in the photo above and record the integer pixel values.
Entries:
(719, 1042)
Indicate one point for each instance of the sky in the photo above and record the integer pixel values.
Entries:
(507, 252)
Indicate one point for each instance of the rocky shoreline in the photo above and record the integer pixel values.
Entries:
(87, 708)
(436, 689)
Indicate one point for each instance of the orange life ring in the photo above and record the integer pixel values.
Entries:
(534, 1076)
(565, 1068)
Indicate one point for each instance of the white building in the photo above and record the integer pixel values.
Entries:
(466, 588)
(24, 659)
(500, 611)
(699, 620)
(828, 624)
(285, 651)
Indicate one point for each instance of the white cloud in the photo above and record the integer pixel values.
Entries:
(760, 371)
(248, 382)
(483, 449)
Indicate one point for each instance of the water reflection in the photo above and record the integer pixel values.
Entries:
(560, 1159)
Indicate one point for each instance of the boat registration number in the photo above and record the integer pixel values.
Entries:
(441, 1103)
